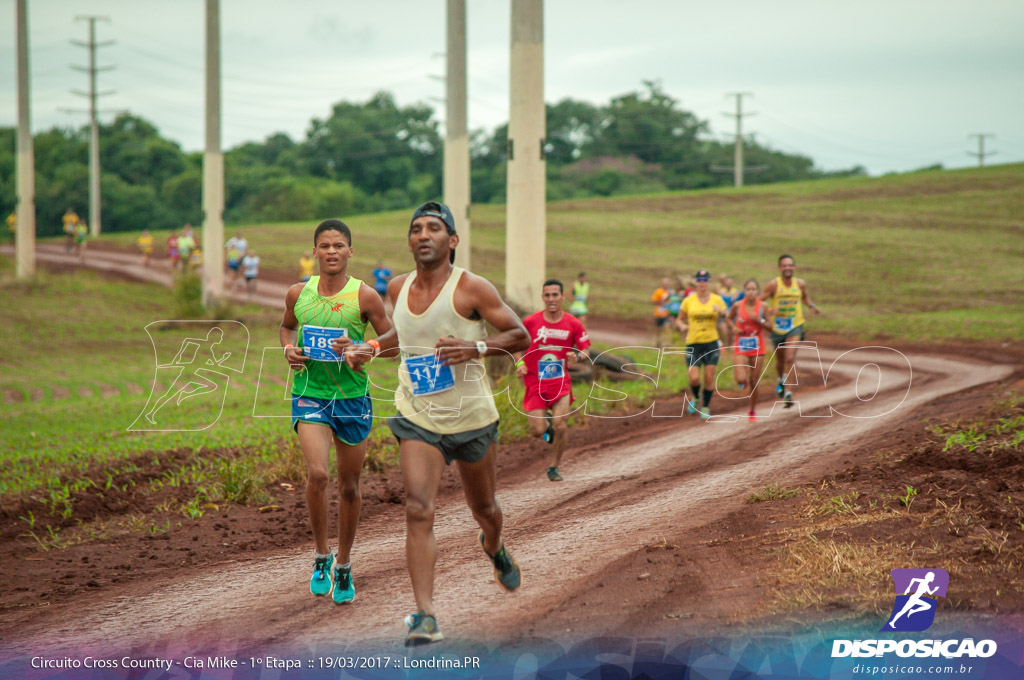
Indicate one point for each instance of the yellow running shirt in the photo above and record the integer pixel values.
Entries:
(788, 307)
(702, 318)
(305, 267)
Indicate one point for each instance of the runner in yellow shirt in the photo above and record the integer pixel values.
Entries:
(306, 263)
(698, 318)
(787, 298)
(70, 220)
(145, 243)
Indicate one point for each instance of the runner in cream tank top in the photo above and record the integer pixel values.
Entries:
(442, 399)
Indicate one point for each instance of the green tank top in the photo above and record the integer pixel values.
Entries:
(328, 379)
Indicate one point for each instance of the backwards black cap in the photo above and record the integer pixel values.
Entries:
(441, 212)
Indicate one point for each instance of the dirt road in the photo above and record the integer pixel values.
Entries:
(619, 496)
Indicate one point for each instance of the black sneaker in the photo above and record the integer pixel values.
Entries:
(422, 629)
(553, 475)
(506, 569)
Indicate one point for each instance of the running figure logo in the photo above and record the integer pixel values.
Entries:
(914, 610)
(199, 368)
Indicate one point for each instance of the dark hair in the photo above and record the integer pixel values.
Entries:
(783, 257)
(332, 225)
(553, 282)
(581, 274)
(753, 281)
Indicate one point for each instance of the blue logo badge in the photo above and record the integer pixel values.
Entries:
(917, 596)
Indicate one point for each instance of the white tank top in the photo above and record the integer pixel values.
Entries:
(469, 403)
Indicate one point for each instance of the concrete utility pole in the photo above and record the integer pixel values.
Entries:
(456, 138)
(94, 127)
(213, 165)
(737, 165)
(25, 234)
(981, 153)
(526, 221)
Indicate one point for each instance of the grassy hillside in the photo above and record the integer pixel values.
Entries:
(924, 256)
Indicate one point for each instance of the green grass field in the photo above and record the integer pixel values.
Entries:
(930, 256)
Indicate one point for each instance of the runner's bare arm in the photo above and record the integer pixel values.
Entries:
(373, 311)
(389, 340)
(682, 320)
(769, 290)
(477, 298)
(288, 334)
(806, 297)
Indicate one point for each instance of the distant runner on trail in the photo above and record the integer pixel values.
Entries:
(580, 305)
(661, 298)
(190, 381)
(557, 341)
(445, 406)
(698, 319)
(746, 317)
(787, 298)
(145, 243)
(330, 400)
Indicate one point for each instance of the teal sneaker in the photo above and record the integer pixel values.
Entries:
(690, 408)
(779, 388)
(705, 413)
(549, 433)
(344, 590)
(422, 629)
(320, 584)
(506, 569)
(788, 397)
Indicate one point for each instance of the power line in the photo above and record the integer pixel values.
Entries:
(92, 95)
(981, 153)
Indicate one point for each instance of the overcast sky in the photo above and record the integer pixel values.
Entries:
(887, 84)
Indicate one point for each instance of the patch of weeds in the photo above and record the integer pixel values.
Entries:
(772, 492)
(908, 498)
(843, 504)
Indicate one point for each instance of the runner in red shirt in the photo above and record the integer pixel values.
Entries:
(746, 317)
(555, 338)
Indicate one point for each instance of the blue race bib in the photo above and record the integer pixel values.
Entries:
(551, 369)
(428, 375)
(316, 342)
(748, 343)
(784, 323)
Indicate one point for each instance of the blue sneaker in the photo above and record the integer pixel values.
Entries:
(422, 629)
(705, 413)
(321, 584)
(690, 408)
(779, 388)
(506, 569)
(344, 590)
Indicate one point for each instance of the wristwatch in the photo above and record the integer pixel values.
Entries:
(481, 348)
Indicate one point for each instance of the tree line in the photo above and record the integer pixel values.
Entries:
(377, 155)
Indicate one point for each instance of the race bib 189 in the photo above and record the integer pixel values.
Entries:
(748, 343)
(428, 375)
(551, 369)
(784, 323)
(316, 342)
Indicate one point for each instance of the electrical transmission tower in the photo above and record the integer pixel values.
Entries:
(94, 128)
(981, 153)
(737, 167)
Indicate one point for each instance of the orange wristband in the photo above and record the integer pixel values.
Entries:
(375, 345)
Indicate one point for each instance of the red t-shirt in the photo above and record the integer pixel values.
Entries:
(550, 342)
(750, 341)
